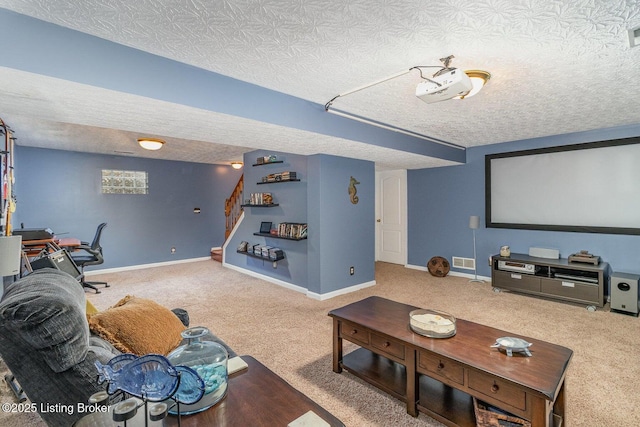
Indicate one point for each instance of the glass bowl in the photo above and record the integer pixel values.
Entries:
(432, 323)
(208, 360)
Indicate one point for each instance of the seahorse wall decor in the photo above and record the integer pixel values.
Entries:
(352, 190)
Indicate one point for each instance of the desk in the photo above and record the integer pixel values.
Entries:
(439, 377)
(34, 247)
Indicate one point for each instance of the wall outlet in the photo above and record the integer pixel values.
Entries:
(352, 271)
(173, 250)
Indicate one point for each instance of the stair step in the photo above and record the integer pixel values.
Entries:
(216, 255)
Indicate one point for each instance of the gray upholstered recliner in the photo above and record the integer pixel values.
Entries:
(45, 342)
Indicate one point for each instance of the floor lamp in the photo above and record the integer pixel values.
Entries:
(474, 223)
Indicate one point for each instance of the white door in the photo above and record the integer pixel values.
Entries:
(391, 216)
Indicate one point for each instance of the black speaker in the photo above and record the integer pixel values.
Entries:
(60, 260)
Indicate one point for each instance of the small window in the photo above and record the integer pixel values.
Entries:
(124, 182)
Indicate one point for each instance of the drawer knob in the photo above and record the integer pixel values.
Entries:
(495, 388)
(440, 366)
(353, 332)
(387, 343)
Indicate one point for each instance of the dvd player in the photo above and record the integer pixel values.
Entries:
(518, 267)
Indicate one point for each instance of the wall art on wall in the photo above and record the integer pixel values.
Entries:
(353, 190)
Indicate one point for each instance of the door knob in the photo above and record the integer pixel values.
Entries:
(378, 220)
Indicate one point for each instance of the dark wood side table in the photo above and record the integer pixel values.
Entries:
(256, 397)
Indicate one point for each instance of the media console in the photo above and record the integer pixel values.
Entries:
(560, 279)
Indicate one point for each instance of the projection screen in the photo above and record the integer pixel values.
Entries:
(590, 187)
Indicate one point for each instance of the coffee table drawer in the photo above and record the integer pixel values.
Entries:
(436, 366)
(354, 333)
(497, 389)
(389, 346)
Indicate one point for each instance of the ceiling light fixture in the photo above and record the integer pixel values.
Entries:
(236, 165)
(152, 144)
(478, 78)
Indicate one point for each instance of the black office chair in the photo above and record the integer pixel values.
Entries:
(92, 256)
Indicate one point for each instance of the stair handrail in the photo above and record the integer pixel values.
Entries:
(233, 207)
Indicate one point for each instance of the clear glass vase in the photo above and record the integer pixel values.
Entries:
(209, 360)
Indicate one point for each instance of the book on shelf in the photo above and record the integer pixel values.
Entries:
(281, 176)
(292, 230)
(261, 199)
(275, 253)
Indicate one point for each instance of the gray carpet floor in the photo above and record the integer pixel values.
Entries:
(291, 334)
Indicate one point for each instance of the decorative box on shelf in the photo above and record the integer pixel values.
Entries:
(266, 160)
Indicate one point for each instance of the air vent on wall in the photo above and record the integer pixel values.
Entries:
(464, 263)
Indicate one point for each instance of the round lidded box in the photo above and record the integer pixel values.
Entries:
(432, 323)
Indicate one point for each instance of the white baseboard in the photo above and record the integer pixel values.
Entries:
(141, 266)
(328, 295)
(313, 295)
(266, 278)
(451, 273)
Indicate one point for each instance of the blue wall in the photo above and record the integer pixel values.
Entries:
(292, 200)
(441, 200)
(62, 190)
(340, 234)
(343, 232)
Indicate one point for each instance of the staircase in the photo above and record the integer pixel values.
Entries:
(232, 212)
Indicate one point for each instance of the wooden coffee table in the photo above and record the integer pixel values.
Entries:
(256, 397)
(440, 377)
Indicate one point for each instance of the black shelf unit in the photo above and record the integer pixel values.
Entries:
(275, 236)
(264, 205)
(277, 182)
(268, 163)
(265, 258)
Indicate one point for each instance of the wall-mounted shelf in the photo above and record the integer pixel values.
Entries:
(265, 258)
(263, 205)
(268, 163)
(275, 236)
(277, 182)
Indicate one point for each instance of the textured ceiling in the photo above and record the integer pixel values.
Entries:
(558, 66)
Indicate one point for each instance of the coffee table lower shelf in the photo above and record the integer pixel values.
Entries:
(446, 404)
(377, 370)
(439, 401)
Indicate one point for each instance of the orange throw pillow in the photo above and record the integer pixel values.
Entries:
(139, 326)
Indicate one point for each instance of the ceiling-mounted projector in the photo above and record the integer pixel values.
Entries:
(444, 85)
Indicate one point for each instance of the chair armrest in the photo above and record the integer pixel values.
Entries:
(85, 248)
